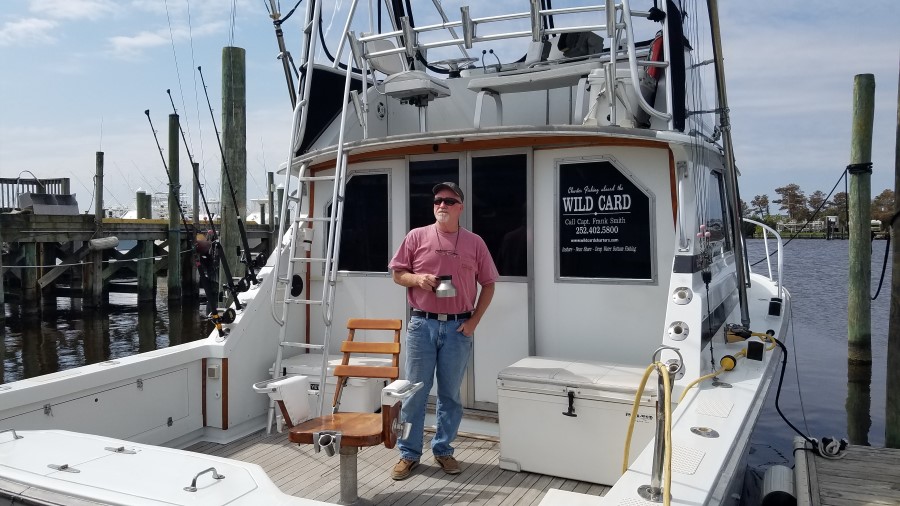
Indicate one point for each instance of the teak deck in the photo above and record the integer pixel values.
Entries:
(864, 476)
(299, 471)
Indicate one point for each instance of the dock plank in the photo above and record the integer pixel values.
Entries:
(863, 476)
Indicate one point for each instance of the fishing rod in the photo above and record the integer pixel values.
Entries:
(229, 315)
(245, 256)
(196, 175)
(187, 229)
(218, 255)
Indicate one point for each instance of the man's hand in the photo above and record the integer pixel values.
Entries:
(409, 280)
(468, 327)
(427, 281)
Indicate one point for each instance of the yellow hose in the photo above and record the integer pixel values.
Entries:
(698, 380)
(667, 438)
(634, 409)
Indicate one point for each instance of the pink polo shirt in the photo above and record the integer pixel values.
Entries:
(463, 255)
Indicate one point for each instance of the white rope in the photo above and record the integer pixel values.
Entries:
(110, 261)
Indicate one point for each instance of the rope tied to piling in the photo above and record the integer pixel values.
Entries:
(860, 168)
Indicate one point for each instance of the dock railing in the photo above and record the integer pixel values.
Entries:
(11, 188)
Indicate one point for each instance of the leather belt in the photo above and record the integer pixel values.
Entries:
(441, 316)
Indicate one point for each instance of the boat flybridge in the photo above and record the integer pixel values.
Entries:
(605, 189)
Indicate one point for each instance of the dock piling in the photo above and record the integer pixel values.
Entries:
(892, 388)
(859, 304)
(174, 261)
(234, 142)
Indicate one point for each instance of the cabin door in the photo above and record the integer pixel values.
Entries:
(496, 208)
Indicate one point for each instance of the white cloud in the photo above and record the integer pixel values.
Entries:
(123, 46)
(128, 46)
(73, 9)
(27, 31)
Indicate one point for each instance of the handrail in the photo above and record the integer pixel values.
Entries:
(779, 260)
(632, 65)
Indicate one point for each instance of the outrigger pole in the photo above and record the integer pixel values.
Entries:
(283, 54)
(245, 257)
(214, 315)
(733, 194)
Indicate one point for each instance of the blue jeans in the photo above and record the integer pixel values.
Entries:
(434, 348)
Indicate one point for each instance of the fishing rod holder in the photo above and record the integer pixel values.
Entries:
(328, 440)
(654, 491)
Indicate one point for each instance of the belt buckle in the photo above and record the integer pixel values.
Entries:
(441, 317)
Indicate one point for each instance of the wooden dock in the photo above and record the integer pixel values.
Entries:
(863, 476)
(46, 251)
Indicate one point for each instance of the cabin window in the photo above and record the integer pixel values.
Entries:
(365, 233)
(499, 211)
(423, 175)
(717, 219)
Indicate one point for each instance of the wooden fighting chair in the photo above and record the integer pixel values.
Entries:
(348, 432)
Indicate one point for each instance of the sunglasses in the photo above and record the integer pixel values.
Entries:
(449, 201)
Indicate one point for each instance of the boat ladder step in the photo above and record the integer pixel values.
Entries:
(303, 301)
(308, 260)
(292, 344)
(315, 178)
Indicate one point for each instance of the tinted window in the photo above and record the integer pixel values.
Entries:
(423, 175)
(498, 206)
(364, 233)
(717, 222)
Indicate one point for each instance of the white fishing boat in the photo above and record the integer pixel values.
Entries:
(604, 185)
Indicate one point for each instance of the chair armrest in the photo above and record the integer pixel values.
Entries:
(398, 391)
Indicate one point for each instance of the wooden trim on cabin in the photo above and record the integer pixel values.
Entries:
(533, 141)
(673, 187)
(203, 392)
(224, 393)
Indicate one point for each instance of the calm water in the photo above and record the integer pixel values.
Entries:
(815, 273)
(67, 336)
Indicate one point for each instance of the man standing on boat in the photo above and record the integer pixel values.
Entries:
(439, 265)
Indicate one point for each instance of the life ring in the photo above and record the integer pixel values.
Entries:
(656, 55)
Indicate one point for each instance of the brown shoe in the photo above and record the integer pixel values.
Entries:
(449, 464)
(403, 469)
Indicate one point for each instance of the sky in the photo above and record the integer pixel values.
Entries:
(77, 76)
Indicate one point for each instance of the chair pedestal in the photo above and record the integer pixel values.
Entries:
(348, 475)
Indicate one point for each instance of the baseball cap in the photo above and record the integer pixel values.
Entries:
(447, 185)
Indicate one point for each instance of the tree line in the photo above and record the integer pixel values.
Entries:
(800, 207)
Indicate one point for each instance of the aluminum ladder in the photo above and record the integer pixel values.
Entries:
(302, 232)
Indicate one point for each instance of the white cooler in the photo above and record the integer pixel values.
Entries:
(360, 394)
(536, 435)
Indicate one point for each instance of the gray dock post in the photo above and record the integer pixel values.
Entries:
(146, 273)
(281, 219)
(195, 218)
(2, 287)
(892, 387)
(30, 291)
(234, 143)
(92, 280)
(98, 191)
(859, 304)
(173, 277)
(273, 227)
